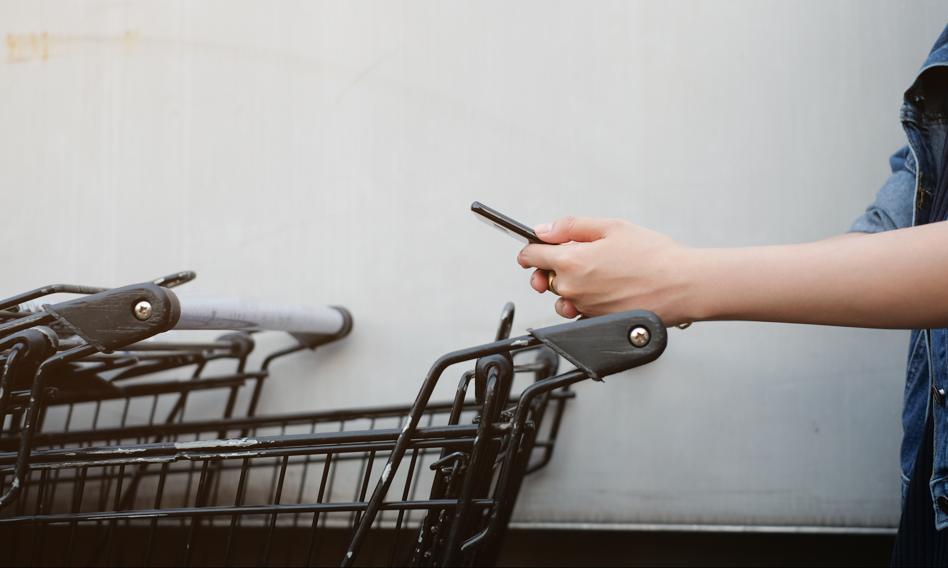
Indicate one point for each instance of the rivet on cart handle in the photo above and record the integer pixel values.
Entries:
(602, 346)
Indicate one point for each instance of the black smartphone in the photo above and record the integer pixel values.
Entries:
(513, 228)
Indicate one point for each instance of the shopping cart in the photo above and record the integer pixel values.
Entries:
(241, 489)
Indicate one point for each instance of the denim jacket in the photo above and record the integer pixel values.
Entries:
(915, 194)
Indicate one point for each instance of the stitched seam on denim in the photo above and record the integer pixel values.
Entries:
(935, 118)
(943, 479)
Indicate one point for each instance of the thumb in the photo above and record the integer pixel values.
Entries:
(579, 229)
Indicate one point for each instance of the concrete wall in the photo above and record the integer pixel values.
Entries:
(327, 153)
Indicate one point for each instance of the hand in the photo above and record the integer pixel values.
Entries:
(610, 265)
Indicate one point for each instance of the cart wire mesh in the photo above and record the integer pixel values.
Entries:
(102, 464)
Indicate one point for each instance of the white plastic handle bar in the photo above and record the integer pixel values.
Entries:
(242, 314)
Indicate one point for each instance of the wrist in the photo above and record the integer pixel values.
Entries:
(705, 285)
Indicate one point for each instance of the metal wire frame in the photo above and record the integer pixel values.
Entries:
(180, 354)
(451, 413)
(33, 351)
(282, 423)
(14, 405)
(130, 382)
(477, 467)
(135, 399)
(207, 475)
(205, 500)
(92, 480)
(337, 420)
(137, 361)
(33, 356)
(86, 384)
(494, 371)
(11, 304)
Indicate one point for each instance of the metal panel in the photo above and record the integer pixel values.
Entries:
(327, 153)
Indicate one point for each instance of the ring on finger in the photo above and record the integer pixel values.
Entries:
(551, 281)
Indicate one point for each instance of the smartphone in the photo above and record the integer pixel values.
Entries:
(513, 228)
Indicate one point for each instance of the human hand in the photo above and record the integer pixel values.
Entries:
(610, 265)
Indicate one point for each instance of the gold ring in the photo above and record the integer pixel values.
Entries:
(551, 281)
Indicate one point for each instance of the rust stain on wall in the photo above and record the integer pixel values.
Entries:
(24, 47)
(33, 47)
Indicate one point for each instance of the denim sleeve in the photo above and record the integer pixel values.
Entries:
(895, 202)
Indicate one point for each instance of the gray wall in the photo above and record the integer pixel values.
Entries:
(327, 152)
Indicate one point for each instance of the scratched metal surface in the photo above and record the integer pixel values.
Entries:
(327, 152)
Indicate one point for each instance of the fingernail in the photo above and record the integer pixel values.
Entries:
(543, 228)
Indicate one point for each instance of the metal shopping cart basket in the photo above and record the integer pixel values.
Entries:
(424, 484)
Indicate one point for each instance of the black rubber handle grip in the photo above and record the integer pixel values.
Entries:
(604, 345)
(118, 317)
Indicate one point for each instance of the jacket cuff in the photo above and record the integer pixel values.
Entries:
(940, 501)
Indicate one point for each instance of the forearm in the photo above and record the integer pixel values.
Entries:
(896, 279)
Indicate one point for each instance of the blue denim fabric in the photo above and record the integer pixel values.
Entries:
(913, 196)
(892, 208)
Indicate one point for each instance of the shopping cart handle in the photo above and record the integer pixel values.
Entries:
(604, 345)
(118, 317)
(309, 324)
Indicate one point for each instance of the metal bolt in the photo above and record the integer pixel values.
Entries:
(142, 310)
(639, 336)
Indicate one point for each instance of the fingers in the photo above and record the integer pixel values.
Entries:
(546, 258)
(539, 256)
(539, 281)
(566, 308)
(580, 229)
